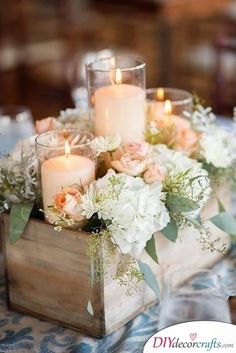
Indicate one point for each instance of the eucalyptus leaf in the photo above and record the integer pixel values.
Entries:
(19, 216)
(90, 308)
(225, 222)
(171, 231)
(150, 278)
(195, 221)
(151, 249)
(221, 207)
(91, 282)
(178, 204)
(233, 238)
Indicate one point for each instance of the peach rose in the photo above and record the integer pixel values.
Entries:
(186, 141)
(140, 148)
(67, 201)
(154, 173)
(46, 124)
(131, 164)
(181, 123)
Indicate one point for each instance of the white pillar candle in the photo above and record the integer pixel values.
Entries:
(64, 171)
(156, 105)
(155, 109)
(120, 109)
(160, 110)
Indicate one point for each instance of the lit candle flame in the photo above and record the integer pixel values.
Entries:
(160, 94)
(118, 77)
(67, 148)
(168, 107)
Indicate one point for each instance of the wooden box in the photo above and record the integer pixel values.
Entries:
(47, 275)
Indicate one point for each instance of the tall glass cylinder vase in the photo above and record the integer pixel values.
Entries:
(116, 88)
(66, 158)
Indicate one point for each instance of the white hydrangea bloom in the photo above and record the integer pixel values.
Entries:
(218, 147)
(106, 143)
(176, 162)
(173, 161)
(136, 210)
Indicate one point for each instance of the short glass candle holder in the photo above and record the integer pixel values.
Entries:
(116, 88)
(161, 101)
(66, 158)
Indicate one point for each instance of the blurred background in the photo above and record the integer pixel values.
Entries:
(189, 44)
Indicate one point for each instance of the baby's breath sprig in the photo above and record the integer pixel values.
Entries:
(155, 135)
(99, 243)
(208, 242)
(128, 275)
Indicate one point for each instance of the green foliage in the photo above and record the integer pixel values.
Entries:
(91, 282)
(128, 274)
(194, 221)
(152, 137)
(19, 216)
(151, 249)
(220, 206)
(164, 135)
(197, 100)
(225, 222)
(59, 218)
(90, 308)
(173, 183)
(210, 243)
(180, 191)
(171, 231)
(178, 204)
(150, 278)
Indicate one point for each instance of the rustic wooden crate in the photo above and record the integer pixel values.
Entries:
(47, 275)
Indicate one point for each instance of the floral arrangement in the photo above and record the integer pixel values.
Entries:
(160, 185)
(199, 137)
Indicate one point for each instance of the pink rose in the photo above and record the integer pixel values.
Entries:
(46, 124)
(67, 201)
(140, 148)
(186, 141)
(154, 173)
(131, 164)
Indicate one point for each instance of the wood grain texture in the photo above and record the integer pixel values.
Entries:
(47, 275)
